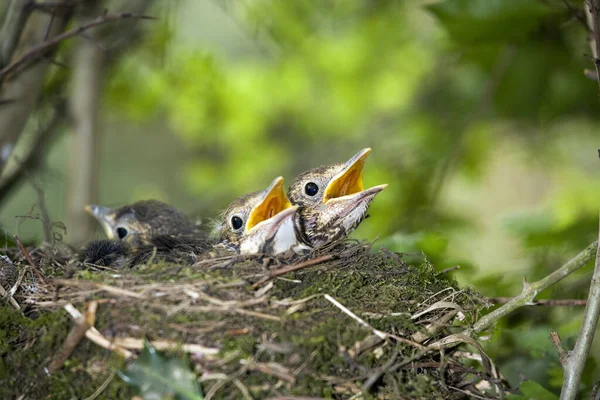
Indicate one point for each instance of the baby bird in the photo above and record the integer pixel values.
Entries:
(142, 231)
(332, 200)
(260, 223)
(139, 222)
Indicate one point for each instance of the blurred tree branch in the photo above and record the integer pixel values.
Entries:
(25, 88)
(33, 155)
(592, 11)
(16, 16)
(36, 53)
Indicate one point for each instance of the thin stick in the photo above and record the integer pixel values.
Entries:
(445, 271)
(37, 52)
(292, 268)
(531, 290)
(102, 387)
(75, 336)
(594, 10)
(575, 361)
(110, 289)
(96, 337)
(376, 332)
(547, 303)
(562, 353)
(355, 317)
(15, 287)
(28, 257)
(138, 344)
(11, 300)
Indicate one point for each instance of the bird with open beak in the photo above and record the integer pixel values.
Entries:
(138, 223)
(332, 200)
(260, 223)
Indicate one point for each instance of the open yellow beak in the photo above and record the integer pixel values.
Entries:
(273, 202)
(349, 180)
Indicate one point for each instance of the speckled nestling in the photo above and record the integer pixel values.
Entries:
(260, 223)
(332, 200)
(137, 223)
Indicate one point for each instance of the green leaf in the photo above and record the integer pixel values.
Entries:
(533, 391)
(474, 21)
(157, 377)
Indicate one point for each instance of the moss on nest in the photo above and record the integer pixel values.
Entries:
(282, 338)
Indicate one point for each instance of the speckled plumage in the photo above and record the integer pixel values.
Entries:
(159, 218)
(332, 213)
(144, 220)
(273, 233)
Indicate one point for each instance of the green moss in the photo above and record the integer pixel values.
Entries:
(311, 342)
(27, 346)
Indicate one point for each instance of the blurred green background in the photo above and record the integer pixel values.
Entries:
(478, 112)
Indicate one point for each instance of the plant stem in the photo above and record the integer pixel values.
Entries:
(530, 290)
(576, 358)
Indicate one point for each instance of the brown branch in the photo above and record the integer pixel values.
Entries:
(28, 257)
(77, 333)
(562, 353)
(292, 268)
(38, 52)
(547, 303)
(450, 269)
(56, 7)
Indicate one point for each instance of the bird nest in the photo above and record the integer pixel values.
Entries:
(348, 322)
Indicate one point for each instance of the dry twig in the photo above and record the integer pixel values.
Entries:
(11, 299)
(38, 52)
(547, 303)
(138, 344)
(82, 324)
(96, 337)
(37, 272)
(562, 353)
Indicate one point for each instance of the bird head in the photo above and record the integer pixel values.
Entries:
(139, 222)
(332, 199)
(261, 222)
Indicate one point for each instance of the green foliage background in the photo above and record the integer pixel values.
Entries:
(480, 119)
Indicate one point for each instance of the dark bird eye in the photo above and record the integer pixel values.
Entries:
(236, 222)
(311, 189)
(121, 232)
